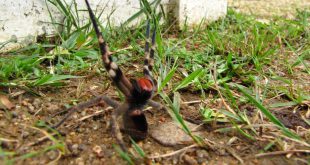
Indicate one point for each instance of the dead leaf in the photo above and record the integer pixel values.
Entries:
(5, 103)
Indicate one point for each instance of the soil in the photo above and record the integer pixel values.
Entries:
(264, 9)
(90, 142)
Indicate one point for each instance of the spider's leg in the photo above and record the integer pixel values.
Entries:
(116, 74)
(83, 105)
(155, 104)
(149, 55)
(116, 133)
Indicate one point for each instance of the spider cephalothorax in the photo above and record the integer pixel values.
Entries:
(142, 91)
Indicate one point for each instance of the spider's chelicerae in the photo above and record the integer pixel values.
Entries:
(138, 92)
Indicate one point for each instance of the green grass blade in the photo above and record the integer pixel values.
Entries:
(243, 132)
(167, 79)
(123, 155)
(138, 148)
(51, 79)
(174, 112)
(136, 15)
(269, 115)
(188, 80)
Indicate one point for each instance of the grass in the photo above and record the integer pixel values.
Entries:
(238, 60)
(239, 50)
(51, 134)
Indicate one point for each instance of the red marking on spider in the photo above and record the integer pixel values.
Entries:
(145, 84)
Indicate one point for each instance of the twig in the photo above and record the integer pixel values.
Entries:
(12, 95)
(55, 160)
(281, 153)
(234, 154)
(37, 112)
(279, 95)
(50, 136)
(174, 152)
(214, 146)
(245, 127)
(8, 140)
(196, 128)
(191, 102)
(41, 139)
(119, 50)
(295, 140)
(94, 114)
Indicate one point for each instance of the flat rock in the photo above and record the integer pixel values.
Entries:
(170, 134)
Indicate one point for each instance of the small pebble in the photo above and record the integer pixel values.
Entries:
(91, 156)
(98, 150)
(82, 147)
(95, 126)
(4, 145)
(75, 116)
(189, 160)
(79, 161)
(221, 151)
(175, 160)
(68, 141)
(14, 114)
(83, 113)
(52, 154)
(162, 119)
(75, 150)
(103, 146)
(202, 156)
(72, 133)
(25, 134)
(96, 161)
(109, 153)
(52, 107)
(90, 139)
(31, 109)
(25, 102)
(147, 146)
(36, 103)
(80, 130)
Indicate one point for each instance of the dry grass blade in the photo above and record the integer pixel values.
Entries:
(218, 90)
(174, 152)
(47, 135)
(281, 153)
(53, 162)
(40, 140)
(8, 140)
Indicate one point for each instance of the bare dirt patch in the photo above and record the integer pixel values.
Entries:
(268, 8)
(90, 142)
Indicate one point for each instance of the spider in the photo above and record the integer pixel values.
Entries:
(138, 92)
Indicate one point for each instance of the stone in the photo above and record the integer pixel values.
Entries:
(189, 160)
(169, 134)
